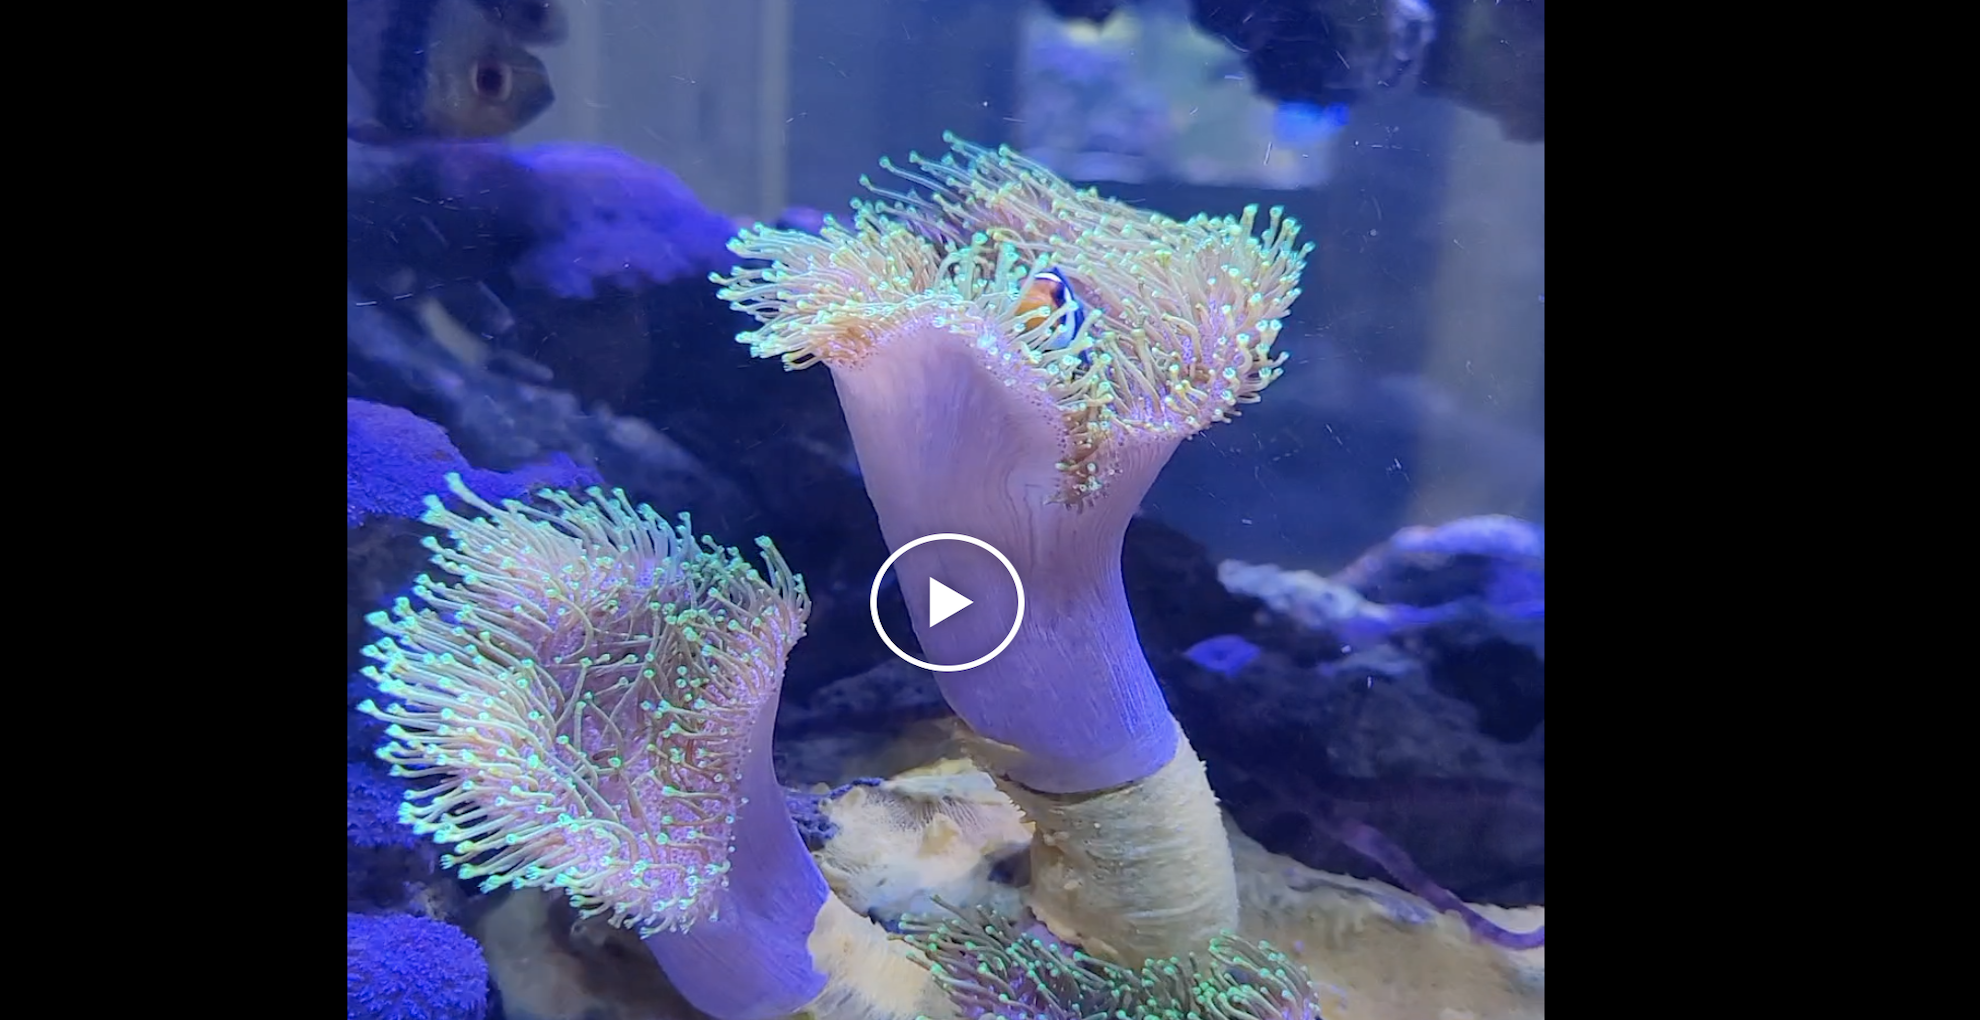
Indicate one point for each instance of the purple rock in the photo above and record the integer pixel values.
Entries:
(609, 218)
(395, 459)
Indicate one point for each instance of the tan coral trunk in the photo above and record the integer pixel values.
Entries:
(869, 976)
(1135, 872)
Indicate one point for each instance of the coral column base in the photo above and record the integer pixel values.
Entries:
(869, 976)
(1130, 873)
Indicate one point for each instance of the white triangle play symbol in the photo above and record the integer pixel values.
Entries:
(944, 602)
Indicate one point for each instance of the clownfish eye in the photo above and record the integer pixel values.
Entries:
(492, 80)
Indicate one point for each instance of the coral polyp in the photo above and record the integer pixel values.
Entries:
(991, 969)
(1183, 313)
(575, 702)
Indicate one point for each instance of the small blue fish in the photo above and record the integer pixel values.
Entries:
(1301, 124)
(1226, 653)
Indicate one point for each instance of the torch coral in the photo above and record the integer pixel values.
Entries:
(587, 706)
(579, 702)
(965, 422)
(973, 414)
(1186, 311)
(990, 969)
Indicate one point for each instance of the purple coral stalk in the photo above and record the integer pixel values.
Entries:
(750, 960)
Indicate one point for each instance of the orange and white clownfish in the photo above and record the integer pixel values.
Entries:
(1047, 292)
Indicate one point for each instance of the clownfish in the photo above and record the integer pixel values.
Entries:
(1045, 293)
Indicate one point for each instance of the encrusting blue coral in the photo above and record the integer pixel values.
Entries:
(371, 807)
(362, 733)
(395, 459)
(388, 868)
(402, 967)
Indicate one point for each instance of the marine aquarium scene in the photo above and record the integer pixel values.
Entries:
(893, 509)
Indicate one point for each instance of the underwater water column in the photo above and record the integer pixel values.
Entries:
(1483, 447)
(976, 411)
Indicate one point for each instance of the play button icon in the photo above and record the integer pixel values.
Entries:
(944, 602)
(964, 564)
